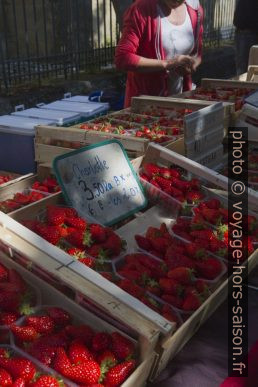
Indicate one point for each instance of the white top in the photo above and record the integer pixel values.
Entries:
(176, 40)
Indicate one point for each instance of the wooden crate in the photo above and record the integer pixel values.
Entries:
(209, 83)
(51, 296)
(48, 137)
(168, 348)
(111, 299)
(253, 56)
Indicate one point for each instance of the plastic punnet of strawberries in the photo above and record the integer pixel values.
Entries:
(19, 200)
(90, 243)
(76, 352)
(17, 370)
(172, 182)
(17, 298)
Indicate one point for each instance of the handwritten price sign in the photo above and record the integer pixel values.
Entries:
(100, 182)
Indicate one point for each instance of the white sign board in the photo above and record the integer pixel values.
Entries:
(100, 182)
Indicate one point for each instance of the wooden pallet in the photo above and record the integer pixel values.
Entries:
(53, 297)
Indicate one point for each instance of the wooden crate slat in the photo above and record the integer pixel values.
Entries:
(209, 82)
(46, 153)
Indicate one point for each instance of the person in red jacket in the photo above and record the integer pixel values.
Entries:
(160, 47)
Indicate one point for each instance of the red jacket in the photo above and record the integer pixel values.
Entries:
(140, 38)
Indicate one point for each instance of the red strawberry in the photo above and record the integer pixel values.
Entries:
(19, 368)
(121, 346)
(21, 198)
(20, 382)
(155, 183)
(191, 302)
(170, 286)
(46, 381)
(143, 242)
(78, 352)
(114, 245)
(98, 233)
(59, 315)
(168, 173)
(106, 359)
(144, 177)
(61, 362)
(55, 215)
(87, 372)
(25, 333)
(3, 273)
(160, 244)
(16, 280)
(153, 232)
(128, 286)
(153, 287)
(80, 239)
(119, 373)
(83, 332)
(183, 275)
(209, 268)
(5, 378)
(50, 233)
(31, 224)
(45, 354)
(151, 169)
(101, 341)
(175, 300)
(89, 262)
(163, 183)
(8, 318)
(77, 223)
(194, 197)
(169, 314)
(194, 250)
(151, 303)
(42, 324)
(76, 252)
(202, 288)
(213, 204)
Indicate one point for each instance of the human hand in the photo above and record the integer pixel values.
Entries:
(181, 64)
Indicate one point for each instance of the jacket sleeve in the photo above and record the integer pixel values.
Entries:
(200, 36)
(126, 57)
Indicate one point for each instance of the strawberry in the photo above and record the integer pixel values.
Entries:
(191, 302)
(3, 273)
(114, 245)
(31, 224)
(50, 233)
(8, 318)
(76, 252)
(21, 198)
(194, 197)
(128, 286)
(78, 352)
(55, 215)
(151, 169)
(20, 382)
(25, 333)
(153, 232)
(60, 316)
(144, 177)
(168, 173)
(19, 367)
(174, 260)
(61, 362)
(202, 288)
(202, 234)
(153, 287)
(87, 261)
(209, 268)
(183, 275)
(121, 346)
(155, 183)
(163, 183)
(175, 300)
(151, 303)
(80, 239)
(170, 286)
(160, 244)
(77, 223)
(213, 204)
(143, 242)
(101, 341)
(195, 251)
(45, 354)
(5, 378)
(42, 324)
(98, 233)
(106, 358)
(10, 301)
(16, 279)
(83, 332)
(119, 373)
(169, 314)
(46, 381)
(87, 372)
